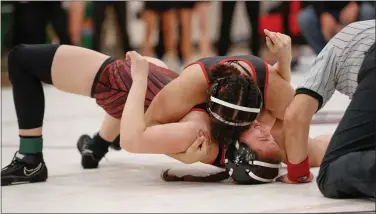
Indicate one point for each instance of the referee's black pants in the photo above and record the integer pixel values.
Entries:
(348, 169)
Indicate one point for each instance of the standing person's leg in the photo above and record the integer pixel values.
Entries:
(253, 10)
(185, 14)
(29, 19)
(348, 169)
(99, 9)
(120, 8)
(68, 68)
(76, 18)
(150, 19)
(310, 27)
(227, 8)
(367, 11)
(59, 18)
(203, 11)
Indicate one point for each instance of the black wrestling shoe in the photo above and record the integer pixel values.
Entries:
(116, 144)
(90, 154)
(24, 169)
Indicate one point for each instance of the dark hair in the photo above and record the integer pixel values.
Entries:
(233, 87)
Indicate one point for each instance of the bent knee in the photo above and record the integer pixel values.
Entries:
(15, 57)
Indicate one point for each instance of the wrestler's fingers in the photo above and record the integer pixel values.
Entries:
(269, 44)
(198, 142)
(272, 36)
(285, 39)
(205, 146)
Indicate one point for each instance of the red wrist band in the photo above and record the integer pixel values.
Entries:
(298, 172)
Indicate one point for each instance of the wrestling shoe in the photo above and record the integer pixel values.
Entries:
(91, 153)
(24, 169)
(116, 144)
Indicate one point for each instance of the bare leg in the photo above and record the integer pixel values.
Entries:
(168, 26)
(186, 35)
(203, 12)
(71, 69)
(74, 68)
(76, 16)
(150, 18)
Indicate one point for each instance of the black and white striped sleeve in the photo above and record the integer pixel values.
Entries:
(320, 81)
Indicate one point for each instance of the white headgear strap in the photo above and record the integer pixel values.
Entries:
(233, 106)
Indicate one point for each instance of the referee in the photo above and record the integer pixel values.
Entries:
(346, 64)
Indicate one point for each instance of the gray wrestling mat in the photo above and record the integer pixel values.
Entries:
(131, 183)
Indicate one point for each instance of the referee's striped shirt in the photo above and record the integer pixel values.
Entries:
(338, 64)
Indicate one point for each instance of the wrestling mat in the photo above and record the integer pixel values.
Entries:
(131, 183)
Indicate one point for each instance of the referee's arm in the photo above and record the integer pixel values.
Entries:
(314, 92)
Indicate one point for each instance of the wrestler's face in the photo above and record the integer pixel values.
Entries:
(259, 139)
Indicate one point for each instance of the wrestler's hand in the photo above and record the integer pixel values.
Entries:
(199, 150)
(139, 65)
(280, 45)
(286, 180)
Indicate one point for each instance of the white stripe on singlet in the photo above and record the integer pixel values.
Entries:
(338, 64)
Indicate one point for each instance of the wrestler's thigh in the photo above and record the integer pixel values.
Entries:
(74, 68)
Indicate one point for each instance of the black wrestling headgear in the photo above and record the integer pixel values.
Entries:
(215, 105)
(243, 166)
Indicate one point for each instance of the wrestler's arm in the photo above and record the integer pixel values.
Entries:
(135, 136)
(195, 155)
(279, 94)
(178, 98)
(280, 45)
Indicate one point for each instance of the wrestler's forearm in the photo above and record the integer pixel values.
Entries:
(283, 67)
(132, 122)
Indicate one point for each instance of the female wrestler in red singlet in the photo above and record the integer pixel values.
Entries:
(166, 128)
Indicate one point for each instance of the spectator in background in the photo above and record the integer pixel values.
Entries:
(76, 17)
(169, 12)
(323, 19)
(30, 20)
(253, 11)
(202, 8)
(99, 10)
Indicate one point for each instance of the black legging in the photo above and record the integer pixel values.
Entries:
(28, 65)
(253, 11)
(99, 9)
(31, 19)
